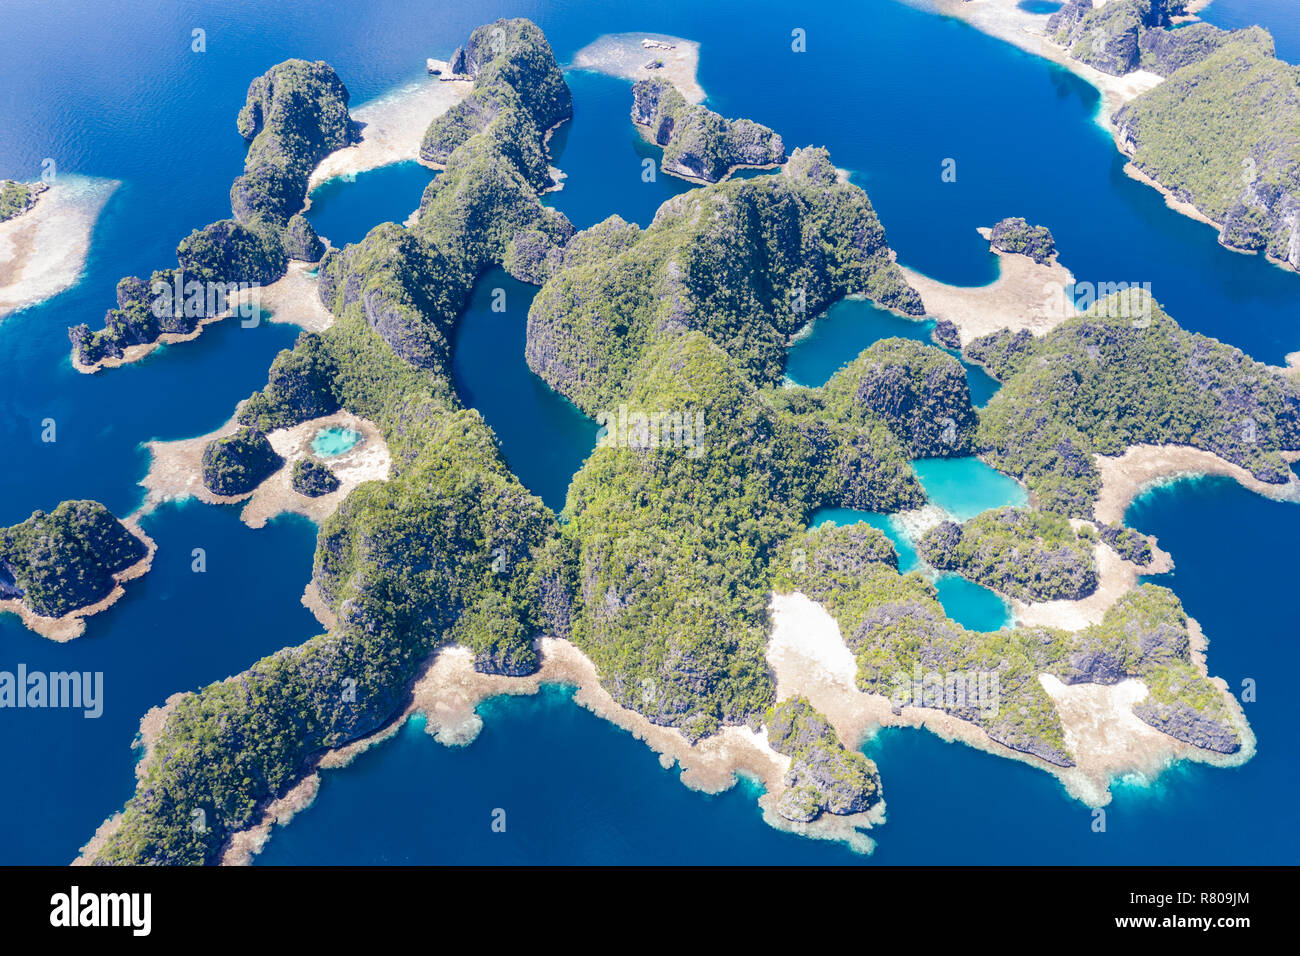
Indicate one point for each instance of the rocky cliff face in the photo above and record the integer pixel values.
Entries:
(518, 87)
(920, 392)
(311, 479)
(295, 115)
(1223, 133)
(824, 776)
(698, 143)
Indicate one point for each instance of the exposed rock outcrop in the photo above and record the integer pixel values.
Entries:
(698, 143)
(1015, 235)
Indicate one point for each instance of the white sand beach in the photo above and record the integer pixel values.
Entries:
(1126, 476)
(392, 127)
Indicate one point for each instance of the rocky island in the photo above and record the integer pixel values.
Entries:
(58, 567)
(295, 114)
(699, 145)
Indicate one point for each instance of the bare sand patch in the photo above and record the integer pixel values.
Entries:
(43, 251)
(624, 55)
(176, 470)
(73, 624)
(1115, 578)
(1025, 295)
(393, 126)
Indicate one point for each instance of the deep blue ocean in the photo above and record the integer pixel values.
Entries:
(892, 91)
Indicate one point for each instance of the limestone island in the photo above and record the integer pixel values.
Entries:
(60, 567)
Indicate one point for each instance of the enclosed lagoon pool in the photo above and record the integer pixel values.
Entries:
(334, 441)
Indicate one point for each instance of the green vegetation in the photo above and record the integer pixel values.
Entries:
(65, 560)
(824, 776)
(451, 547)
(1018, 236)
(226, 251)
(747, 262)
(1110, 37)
(295, 114)
(672, 542)
(300, 387)
(311, 479)
(238, 463)
(908, 650)
(1026, 554)
(16, 198)
(301, 241)
(1128, 544)
(698, 143)
(1224, 135)
(484, 209)
(1125, 374)
(919, 392)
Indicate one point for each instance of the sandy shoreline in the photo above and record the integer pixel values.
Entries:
(809, 657)
(1125, 477)
(73, 624)
(449, 690)
(1115, 578)
(176, 470)
(1025, 295)
(43, 251)
(1005, 20)
(622, 55)
(393, 125)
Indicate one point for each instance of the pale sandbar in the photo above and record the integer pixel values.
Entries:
(43, 251)
(624, 55)
(1025, 295)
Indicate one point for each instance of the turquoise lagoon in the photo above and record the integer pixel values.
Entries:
(332, 442)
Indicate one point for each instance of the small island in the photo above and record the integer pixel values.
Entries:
(58, 568)
(1018, 237)
(699, 145)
